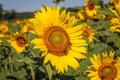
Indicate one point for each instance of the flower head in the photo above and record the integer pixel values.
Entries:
(116, 4)
(104, 68)
(88, 32)
(19, 42)
(91, 8)
(58, 38)
(4, 27)
(80, 15)
(115, 21)
(115, 25)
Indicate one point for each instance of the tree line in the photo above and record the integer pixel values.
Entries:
(12, 14)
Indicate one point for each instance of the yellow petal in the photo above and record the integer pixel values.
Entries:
(76, 54)
(79, 49)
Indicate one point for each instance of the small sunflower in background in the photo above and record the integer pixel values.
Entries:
(21, 22)
(115, 25)
(88, 32)
(4, 30)
(81, 15)
(25, 26)
(28, 27)
(115, 21)
(4, 27)
(104, 68)
(59, 40)
(19, 42)
(116, 4)
(18, 21)
(91, 8)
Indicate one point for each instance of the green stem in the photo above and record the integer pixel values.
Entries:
(33, 54)
(6, 68)
(49, 71)
(32, 72)
(10, 63)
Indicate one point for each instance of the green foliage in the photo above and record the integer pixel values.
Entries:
(105, 11)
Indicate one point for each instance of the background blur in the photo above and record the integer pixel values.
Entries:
(14, 9)
(33, 5)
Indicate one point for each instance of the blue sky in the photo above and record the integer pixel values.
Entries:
(33, 5)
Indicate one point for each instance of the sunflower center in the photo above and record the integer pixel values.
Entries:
(57, 41)
(91, 5)
(29, 28)
(86, 32)
(118, 28)
(21, 41)
(107, 71)
(4, 29)
(115, 1)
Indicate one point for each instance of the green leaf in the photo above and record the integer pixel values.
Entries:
(37, 51)
(3, 76)
(31, 36)
(19, 74)
(105, 11)
(14, 28)
(98, 48)
(71, 72)
(116, 40)
(80, 73)
(49, 71)
(42, 69)
(26, 60)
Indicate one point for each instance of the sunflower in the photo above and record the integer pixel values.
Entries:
(4, 28)
(80, 15)
(19, 42)
(105, 68)
(115, 25)
(58, 38)
(88, 32)
(115, 21)
(91, 8)
(27, 27)
(18, 21)
(116, 4)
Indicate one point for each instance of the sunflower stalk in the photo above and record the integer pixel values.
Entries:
(33, 54)
(49, 71)
(6, 68)
(11, 66)
(32, 72)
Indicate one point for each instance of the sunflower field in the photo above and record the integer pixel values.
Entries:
(79, 43)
